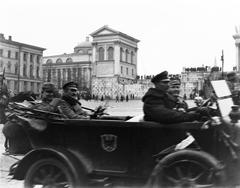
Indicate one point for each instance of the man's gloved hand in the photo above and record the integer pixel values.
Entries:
(204, 111)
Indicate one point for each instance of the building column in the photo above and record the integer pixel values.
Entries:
(237, 56)
(117, 58)
(79, 80)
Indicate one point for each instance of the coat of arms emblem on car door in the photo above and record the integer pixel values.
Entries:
(109, 142)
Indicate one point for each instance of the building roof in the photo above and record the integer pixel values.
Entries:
(85, 44)
(10, 41)
(100, 32)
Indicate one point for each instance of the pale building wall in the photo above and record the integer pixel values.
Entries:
(74, 57)
(14, 65)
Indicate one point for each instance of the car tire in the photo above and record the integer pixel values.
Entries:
(50, 172)
(187, 168)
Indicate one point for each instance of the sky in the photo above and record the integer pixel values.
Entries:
(173, 33)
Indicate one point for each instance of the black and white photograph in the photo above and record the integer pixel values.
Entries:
(120, 93)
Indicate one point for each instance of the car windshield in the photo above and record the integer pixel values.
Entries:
(223, 93)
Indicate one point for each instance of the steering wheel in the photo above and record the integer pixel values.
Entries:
(207, 103)
(99, 111)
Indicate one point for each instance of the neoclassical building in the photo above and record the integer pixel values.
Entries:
(104, 66)
(76, 66)
(22, 64)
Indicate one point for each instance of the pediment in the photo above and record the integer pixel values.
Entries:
(105, 30)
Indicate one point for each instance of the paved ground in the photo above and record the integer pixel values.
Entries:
(131, 108)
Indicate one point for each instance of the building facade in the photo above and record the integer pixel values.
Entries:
(102, 67)
(22, 64)
(195, 79)
(114, 62)
(76, 66)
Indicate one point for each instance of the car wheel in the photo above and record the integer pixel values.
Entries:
(49, 172)
(187, 169)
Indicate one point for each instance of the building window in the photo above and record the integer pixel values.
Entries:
(32, 86)
(49, 61)
(110, 53)
(127, 71)
(16, 68)
(59, 60)
(121, 69)
(121, 54)
(9, 66)
(132, 57)
(89, 51)
(1, 63)
(49, 76)
(80, 51)
(31, 58)
(37, 72)
(8, 83)
(15, 86)
(16, 55)
(25, 57)
(69, 74)
(31, 71)
(38, 87)
(1, 52)
(101, 54)
(64, 75)
(24, 70)
(59, 78)
(9, 54)
(25, 86)
(69, 60)
(126, 55)
(38, 59)
(132, 72)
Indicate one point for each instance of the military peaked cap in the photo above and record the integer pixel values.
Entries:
(161, 77)
(70, 84)
(232, 73)
(175, 82)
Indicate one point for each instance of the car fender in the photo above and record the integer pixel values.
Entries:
(77, 164)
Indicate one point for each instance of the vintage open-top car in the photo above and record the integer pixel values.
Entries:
(122, 151)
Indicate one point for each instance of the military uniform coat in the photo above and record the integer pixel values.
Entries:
(160, 108)
(72, 109)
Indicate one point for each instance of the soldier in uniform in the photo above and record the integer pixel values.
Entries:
(157, 106)
(174, 91)
(70, 106)
(50, 98)
(15, 134)
(4, 97)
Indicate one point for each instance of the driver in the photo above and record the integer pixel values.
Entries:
(70, 106)
(158, 107)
